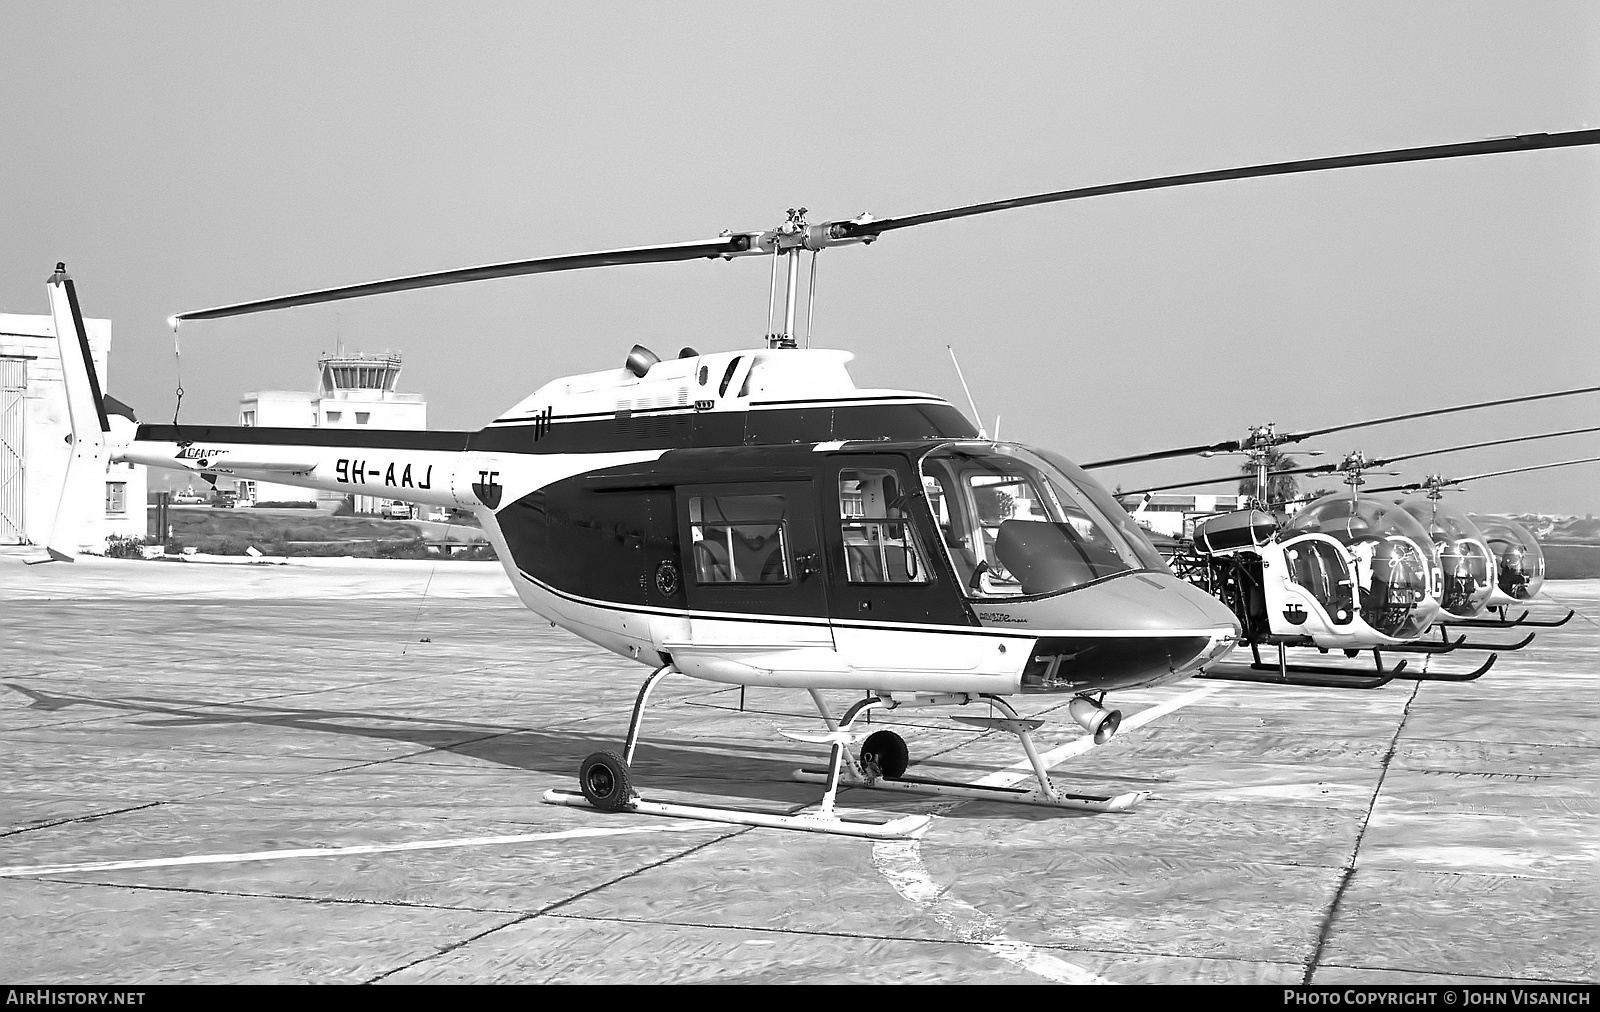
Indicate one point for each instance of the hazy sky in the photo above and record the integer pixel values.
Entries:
(179, 156)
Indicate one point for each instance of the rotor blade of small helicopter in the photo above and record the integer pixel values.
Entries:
(1236, 476)
(1417, 485)
(1376, 462)
(1385, 461)
(1295, 437)
(705, 248)
(1226, 447)
(1524, 142)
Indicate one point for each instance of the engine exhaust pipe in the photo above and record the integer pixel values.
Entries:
(1094, 718)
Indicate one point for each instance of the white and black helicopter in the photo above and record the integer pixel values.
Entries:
(754, 518)
(1358, 571)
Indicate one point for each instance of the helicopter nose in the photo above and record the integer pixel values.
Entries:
(1143, 602)
(1138, 629)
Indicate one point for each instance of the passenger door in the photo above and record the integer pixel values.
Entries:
(752, 565)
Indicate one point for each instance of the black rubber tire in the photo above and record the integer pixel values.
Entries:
(888, 752)
(604, 780)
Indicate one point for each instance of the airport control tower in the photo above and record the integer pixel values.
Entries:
(354, 390)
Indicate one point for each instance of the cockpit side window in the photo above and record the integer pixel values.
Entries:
(880, 541)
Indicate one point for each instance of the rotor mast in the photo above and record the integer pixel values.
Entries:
(795, 236)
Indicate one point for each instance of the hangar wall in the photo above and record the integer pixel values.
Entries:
(34, 426)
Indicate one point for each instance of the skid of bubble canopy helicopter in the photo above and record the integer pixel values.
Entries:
(752, 518)
(1362, 571)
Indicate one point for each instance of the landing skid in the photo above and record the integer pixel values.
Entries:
(1307, 675)
(1504, 623)
(605, 781)
(1015, 795)
(1447, 676)
(837, 825)
(1459, 644)
(871, 774)
(1284, 673)
(1310, 675)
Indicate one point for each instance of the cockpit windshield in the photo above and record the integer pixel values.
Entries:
(1016, 525)
(1396, 569)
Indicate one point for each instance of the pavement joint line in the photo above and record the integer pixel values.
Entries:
(1348, 874)
(34, 871)
(549, 908)
(82, 818)
(917, 939)
(1545, 593)
(288, 897)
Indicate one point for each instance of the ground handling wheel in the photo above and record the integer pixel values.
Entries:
(603, 777)
(886, 751)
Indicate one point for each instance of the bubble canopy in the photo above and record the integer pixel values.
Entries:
(1394, 563)
(1521, 560)
(1466, 563)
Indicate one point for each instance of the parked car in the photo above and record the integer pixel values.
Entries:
(224, 500)
(397, 510)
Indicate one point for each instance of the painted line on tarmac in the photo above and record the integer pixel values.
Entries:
(21, 871)
(900, 862)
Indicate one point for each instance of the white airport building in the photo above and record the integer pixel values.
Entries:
(1175, 515)
(34, 428)
(353, 391)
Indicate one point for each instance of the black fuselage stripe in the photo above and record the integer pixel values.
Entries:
(88, 356)
(689, 409)
(679, 430)
(252, 435)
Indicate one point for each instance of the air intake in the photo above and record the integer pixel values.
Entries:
(640, 359)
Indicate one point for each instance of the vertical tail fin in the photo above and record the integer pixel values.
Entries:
(86, 408)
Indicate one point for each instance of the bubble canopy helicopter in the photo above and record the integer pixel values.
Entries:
(1360, 570)
(754, 518)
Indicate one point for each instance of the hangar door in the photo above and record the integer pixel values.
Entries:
(13, 384)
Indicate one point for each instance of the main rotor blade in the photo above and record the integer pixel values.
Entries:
(1418, 485)
(1295, 437)
(720, 246)
(1524, 142)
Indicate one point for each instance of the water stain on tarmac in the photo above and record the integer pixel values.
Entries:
(260, 774)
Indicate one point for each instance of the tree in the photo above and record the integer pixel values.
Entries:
(1280, 487)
